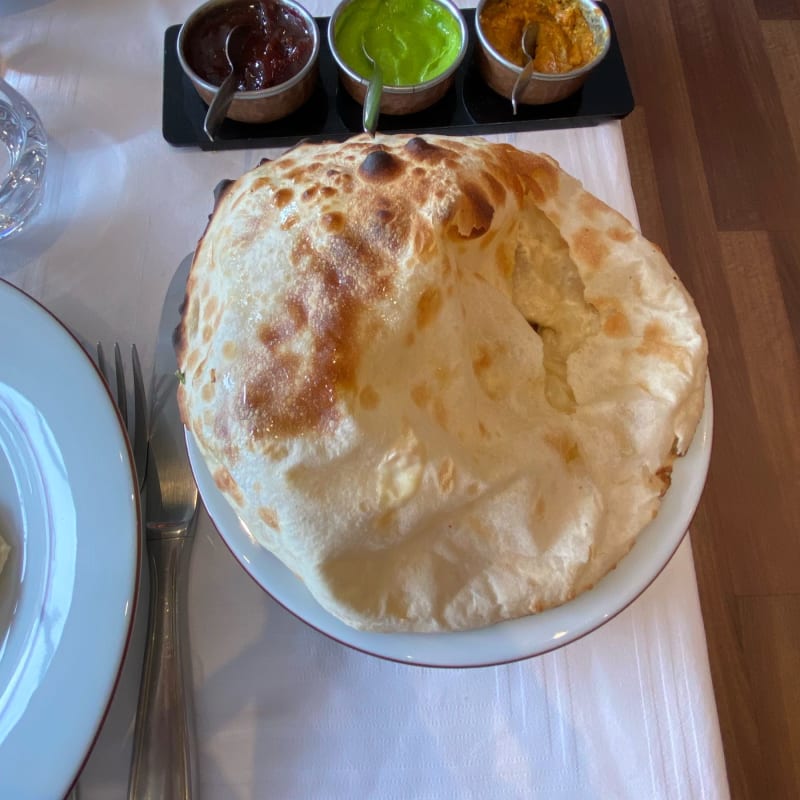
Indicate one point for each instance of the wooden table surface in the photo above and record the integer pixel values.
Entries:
(714, 149)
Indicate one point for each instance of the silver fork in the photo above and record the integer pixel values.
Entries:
(136, 422)
(163, 758)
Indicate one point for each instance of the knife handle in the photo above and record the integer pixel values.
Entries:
(163, 751)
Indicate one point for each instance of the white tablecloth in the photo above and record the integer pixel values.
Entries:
(283, 712)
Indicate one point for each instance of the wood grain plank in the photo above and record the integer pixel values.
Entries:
(786, 247)
(643, 178)
(744, 759)
(737, 113)
(647, 37)
(777, 9)
(771, 642)
(770, 558)
(782, 42)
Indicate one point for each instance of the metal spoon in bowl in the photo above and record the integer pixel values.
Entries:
(372, 102)
(234, 42)
(529, 36)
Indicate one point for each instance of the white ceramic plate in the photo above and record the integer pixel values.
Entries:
(507, 641)
(69, 508)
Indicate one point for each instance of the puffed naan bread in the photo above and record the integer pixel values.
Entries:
(435, 377)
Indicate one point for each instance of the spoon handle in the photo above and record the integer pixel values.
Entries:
(530, 35)
(520, 83)
(219, 106)
(372, 102)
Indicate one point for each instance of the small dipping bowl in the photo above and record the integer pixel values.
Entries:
(374, 20)
(201, 53)
(544, 87)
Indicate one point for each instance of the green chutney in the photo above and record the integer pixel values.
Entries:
(412, 40)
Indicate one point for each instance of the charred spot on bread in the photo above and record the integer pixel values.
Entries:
(422, 150)
(380, 166)
(480, 208)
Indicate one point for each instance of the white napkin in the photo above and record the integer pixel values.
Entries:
(284, 712)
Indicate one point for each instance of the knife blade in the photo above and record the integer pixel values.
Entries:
(163, 762)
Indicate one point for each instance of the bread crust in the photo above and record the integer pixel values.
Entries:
(438, 379)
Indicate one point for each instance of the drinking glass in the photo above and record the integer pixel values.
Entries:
(23, 155)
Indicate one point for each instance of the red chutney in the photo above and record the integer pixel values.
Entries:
(278, 48)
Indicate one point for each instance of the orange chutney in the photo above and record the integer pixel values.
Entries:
(565, 40)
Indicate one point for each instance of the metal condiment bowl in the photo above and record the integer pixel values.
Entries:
(264, 105)
(501, 74)
(399, 100)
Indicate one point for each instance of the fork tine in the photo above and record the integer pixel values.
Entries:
(136, 424)
(122, 392)
(101, 362)
(141, 433)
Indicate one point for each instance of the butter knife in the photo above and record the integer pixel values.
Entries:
(163, 756)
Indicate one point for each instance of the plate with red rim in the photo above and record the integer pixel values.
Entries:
(507, 641)
(69, 508)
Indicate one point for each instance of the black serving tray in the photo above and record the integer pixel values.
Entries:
(469, 107)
